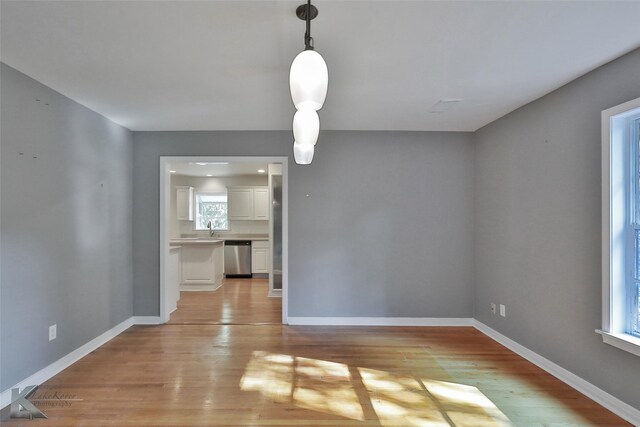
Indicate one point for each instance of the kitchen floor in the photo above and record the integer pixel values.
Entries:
(238, 301)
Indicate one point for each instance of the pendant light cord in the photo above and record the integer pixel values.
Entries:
(308, 40)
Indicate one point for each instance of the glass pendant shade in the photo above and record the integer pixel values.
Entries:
(303, 153)
(308, 80)
(306, 126)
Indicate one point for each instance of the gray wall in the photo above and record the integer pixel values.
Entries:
(537, 229)
(379, 225)
(65, 225)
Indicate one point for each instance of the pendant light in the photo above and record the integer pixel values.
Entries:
(308, 81)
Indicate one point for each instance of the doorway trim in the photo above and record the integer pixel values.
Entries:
(165, 200)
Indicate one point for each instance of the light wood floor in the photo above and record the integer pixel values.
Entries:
(274, 375)
(237, 301)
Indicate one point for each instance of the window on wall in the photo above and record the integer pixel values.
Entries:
(634, 231)
(621, 226)
(211, 207)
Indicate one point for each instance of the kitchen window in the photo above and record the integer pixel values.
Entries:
(211, 207)
(621, 226)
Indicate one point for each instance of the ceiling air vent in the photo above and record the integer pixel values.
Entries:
(444, 105)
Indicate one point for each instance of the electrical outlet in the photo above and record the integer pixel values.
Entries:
(493, 308)
(503, 310)
(53, 332)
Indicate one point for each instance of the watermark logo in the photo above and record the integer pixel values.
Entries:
(23, 403)
(20, 405)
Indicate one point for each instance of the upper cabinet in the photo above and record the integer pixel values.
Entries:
(261, 203)
(240, 202)
(184, 203)
(248, 203)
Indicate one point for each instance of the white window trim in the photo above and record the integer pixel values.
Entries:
(624, 342)
(614, 267)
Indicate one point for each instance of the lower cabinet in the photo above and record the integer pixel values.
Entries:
(259, 256)
(202, 264)
(172, 292)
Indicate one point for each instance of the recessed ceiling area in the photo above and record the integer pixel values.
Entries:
(217, 169)
(223, 65)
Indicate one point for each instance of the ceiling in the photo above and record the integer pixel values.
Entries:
(217, 169)
(223, 65)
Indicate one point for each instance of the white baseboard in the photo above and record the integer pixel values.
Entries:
(146, 320)
(381, 321)
(275, 293)
(600, 396)
(199, 288)
(49, 371)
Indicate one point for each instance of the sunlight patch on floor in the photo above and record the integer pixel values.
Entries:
(465, 405)
(400, 401)
(396, 400)
(270, 374)
(312, 384)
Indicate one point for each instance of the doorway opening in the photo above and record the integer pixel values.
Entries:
(223, 240)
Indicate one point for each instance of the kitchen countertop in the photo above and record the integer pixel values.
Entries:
(243, 236)
(223, 237)
(195, 241)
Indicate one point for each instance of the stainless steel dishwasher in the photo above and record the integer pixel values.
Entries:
(237, 258)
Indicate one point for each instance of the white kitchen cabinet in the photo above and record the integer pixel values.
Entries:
(259, 257)
(261, 203)
(248, 203)
(240, 203)
(184, 203)
(172, 294)
(202, 264)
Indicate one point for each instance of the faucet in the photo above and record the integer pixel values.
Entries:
(211, 233)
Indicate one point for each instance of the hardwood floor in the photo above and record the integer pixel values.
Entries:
(238, 301)
(275, 375)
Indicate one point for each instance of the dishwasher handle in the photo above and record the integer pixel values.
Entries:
(237, 243)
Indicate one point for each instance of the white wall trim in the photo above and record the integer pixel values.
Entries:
(600, 396)
(624, 342)
(617, 197)
(275, 293)
(165, 197)
(147, 320)
(64, 362)
(381, 321)
(199, 288)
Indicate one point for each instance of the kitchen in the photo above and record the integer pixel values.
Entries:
(224, 228)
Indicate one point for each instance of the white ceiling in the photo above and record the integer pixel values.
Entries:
(217, 168)
(223, 65)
